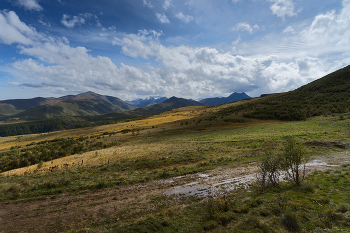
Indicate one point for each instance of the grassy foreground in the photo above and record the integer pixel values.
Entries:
(120, 188)
(320, 204)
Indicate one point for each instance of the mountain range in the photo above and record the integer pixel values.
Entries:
(92, 104)
(147, 102)
(326, 96)
(168, 104)
(85, 104)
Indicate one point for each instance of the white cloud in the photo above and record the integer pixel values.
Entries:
(162, 18)
(185, 71)
(246, 27)
(184, 18)
(167, 4)
(30, 5)
(44, 23)
(330, 28)
(148, 4)
(206, 70)
(12, 30)
(289, 30)
(70, 23)
(282, 8)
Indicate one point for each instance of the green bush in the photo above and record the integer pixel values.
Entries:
(269, 170)
(293, 161)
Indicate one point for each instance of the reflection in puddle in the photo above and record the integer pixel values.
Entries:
(199, 191)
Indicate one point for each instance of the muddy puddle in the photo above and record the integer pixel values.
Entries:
(207, 184)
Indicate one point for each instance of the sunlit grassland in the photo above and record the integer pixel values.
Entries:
(156, 153)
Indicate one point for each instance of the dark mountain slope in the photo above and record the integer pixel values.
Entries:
(324, 96)
(168, 104)
(14, 106)
(223, 100)
(69, 122)
(86, 104)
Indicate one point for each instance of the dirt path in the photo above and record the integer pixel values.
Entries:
(64, 212)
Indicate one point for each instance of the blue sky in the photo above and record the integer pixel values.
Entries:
(186, 48)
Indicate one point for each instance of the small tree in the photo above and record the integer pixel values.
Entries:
(269, 170)
(293, 161)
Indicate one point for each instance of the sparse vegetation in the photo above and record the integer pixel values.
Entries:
(48, 150)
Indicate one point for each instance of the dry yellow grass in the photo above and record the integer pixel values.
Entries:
(163, 122)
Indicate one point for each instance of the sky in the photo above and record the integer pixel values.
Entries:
(185, 48)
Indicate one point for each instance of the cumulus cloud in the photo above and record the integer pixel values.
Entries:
(185, 71)
(12, 30)
(282, 8)
(167, 4)
(148, 4)
(30, 5)
(207, 70)
(245, 27)
(330, 28)
(162, 18)
(184, 18)
(70, 21)
(289, 30)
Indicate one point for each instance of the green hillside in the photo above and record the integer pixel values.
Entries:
(325, 96)
(85, 104)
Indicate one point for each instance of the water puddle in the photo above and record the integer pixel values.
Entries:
(316, 163)
(219, 185)
(198, 191)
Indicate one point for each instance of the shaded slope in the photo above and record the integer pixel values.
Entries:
(15, 106)
(327, 95)
(86, 104)
(168, 104)
(69, 122)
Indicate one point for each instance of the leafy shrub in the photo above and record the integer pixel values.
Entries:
(40, 164)
(293, 161)
(269, 171)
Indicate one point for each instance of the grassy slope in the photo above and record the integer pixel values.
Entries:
(325, 96)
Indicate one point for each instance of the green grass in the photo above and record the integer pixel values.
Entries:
(184, 154)
(286, 208)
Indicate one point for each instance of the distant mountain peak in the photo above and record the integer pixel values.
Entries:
(151, 100)
(223, 100)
